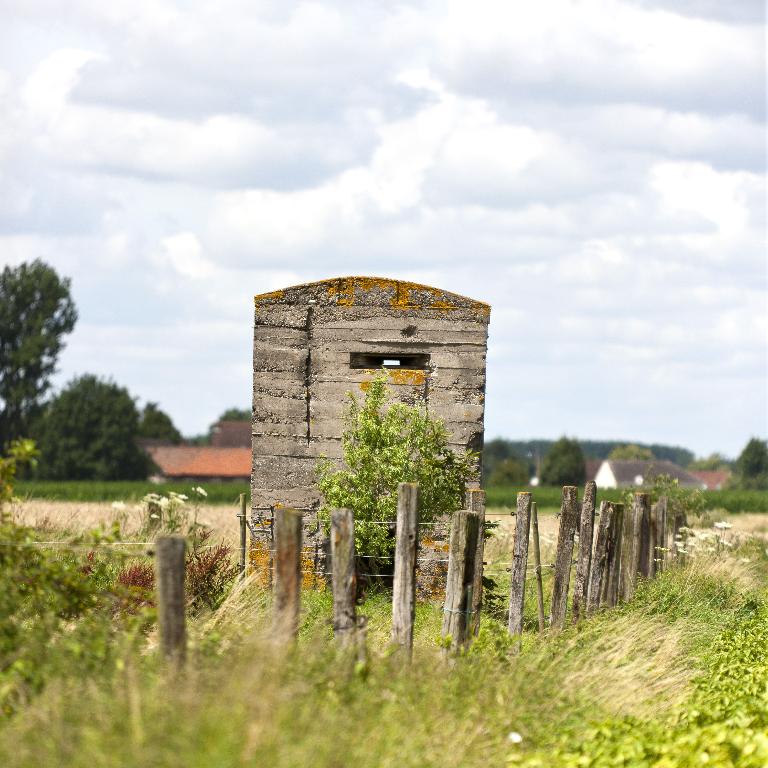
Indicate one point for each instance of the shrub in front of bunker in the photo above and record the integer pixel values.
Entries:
(386, 443)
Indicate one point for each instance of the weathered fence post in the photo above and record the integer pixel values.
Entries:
(519, 563)
(476, 503)
(537, 565)
(599, 575)
(287, 581)
(461, 571)
(169, 568)
(659, 517)
(584, 560)
(615, 542)
(643, 501)
(568, 517)
(404, 582)
(241, 516)
(630, 550)
(344, 583)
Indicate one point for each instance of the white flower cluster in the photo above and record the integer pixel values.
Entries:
(692, 542)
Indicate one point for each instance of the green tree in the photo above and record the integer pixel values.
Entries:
(235, 414)
(157, 425)
(383, 445)
(510, 471)
(36, 312)
(713, 462)
(564, 464)
(630, 452)
(89, 431)
(752, 465)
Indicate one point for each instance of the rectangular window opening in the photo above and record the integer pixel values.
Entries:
(410, 360)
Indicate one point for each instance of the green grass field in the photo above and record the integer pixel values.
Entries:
(128, 491)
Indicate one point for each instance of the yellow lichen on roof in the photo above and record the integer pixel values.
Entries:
(265, 298)
(404, 294)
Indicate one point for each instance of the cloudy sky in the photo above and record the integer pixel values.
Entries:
(594, 169)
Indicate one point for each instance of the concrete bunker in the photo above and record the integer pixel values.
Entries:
(313, 343)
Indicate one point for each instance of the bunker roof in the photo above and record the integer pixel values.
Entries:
(372, 291)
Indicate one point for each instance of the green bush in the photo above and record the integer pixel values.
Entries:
(386, 444)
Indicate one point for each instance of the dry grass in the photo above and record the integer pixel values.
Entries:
(74, 517)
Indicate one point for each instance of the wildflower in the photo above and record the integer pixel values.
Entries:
(514, 737)
(200, 491)
(723, 526)
(118, 505)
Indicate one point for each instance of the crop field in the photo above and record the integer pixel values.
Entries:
(678, 676)
(730, 501)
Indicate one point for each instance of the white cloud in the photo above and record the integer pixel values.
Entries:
(594, 169)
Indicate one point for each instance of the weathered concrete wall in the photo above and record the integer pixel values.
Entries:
(303, 338)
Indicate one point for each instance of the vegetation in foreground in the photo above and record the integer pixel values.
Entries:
(678, 677)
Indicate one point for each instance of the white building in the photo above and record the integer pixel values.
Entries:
(628, 474)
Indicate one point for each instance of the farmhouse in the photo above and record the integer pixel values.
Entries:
(626, 474)
(314, 343)
(200, 463)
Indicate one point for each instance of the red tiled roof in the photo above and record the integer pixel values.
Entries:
(201, 461)
(713, 479)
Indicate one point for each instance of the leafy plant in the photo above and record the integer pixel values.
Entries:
(19, 452)
(210, 572)
(385, 444)
(682, 503)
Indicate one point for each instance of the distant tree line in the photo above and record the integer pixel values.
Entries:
(529, 454)
(93, 428)
(563, 462)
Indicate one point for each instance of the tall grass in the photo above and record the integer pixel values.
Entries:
(245, 701)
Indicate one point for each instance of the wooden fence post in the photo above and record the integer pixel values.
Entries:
(404, 582)
(643, 501)
(599, 574)
(476, 503)
(615, 543)
(461, 571)
(344, 582)
(568, 517)
(519, 563)
(630, 551)
(287, 581)
(584, 560)
(169, 569)
(659, 516)
(537, 566)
